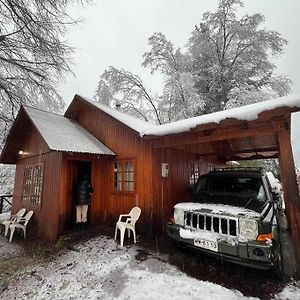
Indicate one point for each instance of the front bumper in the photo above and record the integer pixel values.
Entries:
(252, 254)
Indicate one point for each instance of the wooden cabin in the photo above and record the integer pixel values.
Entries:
(134, 163)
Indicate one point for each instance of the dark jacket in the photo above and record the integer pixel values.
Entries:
(82, 192)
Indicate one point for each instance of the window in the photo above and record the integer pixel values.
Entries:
(194, 172)
(32, 185)
(124, 176)
(211, 167)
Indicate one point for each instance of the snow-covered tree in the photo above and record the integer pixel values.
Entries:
(227, 62)
(179, 94)
(231, 58)
(268, 165)
(121, 87)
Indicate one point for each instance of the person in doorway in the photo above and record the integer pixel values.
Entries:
(83, 193)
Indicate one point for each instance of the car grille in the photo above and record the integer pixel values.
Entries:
(225, 226)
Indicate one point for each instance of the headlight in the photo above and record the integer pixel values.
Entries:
(248, 229)
(179, 216)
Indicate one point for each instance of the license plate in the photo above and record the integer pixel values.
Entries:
(209, 245)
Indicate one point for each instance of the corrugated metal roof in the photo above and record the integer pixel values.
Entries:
(63, 134)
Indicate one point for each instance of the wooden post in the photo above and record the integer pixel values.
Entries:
(290, 190)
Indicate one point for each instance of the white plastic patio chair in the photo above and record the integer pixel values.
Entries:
(129, 224)
(12, 218)
(21, 223)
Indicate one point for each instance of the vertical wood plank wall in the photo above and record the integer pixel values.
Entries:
(155, 195)
(172, 189)
(127, 144)
(45, 218)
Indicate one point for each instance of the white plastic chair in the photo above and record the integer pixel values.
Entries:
(12, 218)
(129, 224)
(21, 223)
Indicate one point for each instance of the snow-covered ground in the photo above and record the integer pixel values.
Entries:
(100, 269)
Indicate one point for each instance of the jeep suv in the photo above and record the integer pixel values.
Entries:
(232, 216)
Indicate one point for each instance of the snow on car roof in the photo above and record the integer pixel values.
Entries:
(63, 134)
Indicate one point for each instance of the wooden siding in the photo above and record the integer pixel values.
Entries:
(156, 196)
(174, 188)
(45, 218)
(127, 144)
(23, 136)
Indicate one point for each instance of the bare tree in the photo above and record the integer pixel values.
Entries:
(33, 58)
(33, 55)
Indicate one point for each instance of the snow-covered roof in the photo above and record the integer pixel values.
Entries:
(243, 113)
(63, 134)
(134, 123)
(246, 113)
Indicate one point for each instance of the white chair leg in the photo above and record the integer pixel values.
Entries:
(24, 233)
(12, 230)
(116, 232)
(122, 233)
(128, 231)
(134, 237)
(6, 229)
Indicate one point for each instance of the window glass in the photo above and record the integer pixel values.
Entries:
(247, 192)
(124, 176)
(32, 184)
(194, 172)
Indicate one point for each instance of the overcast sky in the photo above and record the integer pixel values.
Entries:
(115, 33)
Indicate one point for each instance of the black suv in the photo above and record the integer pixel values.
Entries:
(234, 216)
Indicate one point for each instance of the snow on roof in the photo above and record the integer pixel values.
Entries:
(247, 113)
(134, 123)
(63, 134)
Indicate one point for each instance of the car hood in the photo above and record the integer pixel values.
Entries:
(217, 209)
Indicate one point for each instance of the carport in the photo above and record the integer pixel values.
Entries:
(257, 131)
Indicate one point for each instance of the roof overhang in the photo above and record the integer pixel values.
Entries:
(16, 137)
(55, 133)
(232, 139)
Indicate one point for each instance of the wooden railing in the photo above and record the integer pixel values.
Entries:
(3, 199)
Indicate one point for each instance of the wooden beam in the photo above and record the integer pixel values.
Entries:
(173, 141)
(254, 156)
(290, 190)
(228, 153)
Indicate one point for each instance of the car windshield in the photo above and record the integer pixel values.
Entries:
(247, 192)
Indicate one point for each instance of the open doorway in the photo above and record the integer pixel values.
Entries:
(77, 169)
